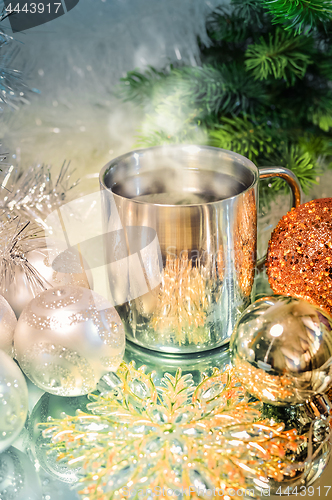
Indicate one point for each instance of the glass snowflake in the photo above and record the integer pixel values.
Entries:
(140, 437)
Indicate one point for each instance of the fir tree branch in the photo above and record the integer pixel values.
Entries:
(320, 111)
(250, 11)
(299, 15)
(282, 56)
(290, 156)
(319, 147)
(224, 26)
(209, 90)
(240, 135)
(246, 99)
(140, 86)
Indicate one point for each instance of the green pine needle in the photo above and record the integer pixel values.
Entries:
(224, 26)
(320, 111)
(291, 157)
(211, 90)
(282, 56)
(140, 86)
(261, 91)
(299, 15)
(240, 135)
(248, 10)
(318, 147)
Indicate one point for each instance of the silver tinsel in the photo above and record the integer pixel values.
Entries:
(35, 192)
(13, 90)
(17, 239)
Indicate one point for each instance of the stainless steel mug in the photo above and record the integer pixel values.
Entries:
(200, 204)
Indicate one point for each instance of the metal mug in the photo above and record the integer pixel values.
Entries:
(201, 204)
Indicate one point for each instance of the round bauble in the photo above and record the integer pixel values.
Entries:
(7, 326)
(18, 478)
(50, 406)
(282, 349)
(299, 258)
(32, 272)
(13, 401)
(67, 338)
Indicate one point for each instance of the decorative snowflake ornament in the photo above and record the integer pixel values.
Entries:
(140, 437)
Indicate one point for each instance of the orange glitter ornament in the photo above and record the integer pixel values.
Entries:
(299, 258)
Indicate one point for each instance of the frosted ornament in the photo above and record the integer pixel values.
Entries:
(18, 478)
(48, 407)
(32, 272)
(8, 323)
(67, 338)
(13, 401)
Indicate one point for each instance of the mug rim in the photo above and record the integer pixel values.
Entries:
(248, 164)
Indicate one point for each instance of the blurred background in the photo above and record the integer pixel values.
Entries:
(76, 62)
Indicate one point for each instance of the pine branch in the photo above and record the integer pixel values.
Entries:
(224, 26)
(250, 11)
(320, 111)
(236, 23)
(240, 135)
(282, 56)
(290, 156)
(299, 15)
(138, 86)
(245, 99)
(204, 91)
(319, 147)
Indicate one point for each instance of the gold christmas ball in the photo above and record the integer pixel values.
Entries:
(282, 350)
(67, 338)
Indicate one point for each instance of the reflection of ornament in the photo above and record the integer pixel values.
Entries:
(18, 478)
(299, 259)
(282, 350)
(182, 301)
(67, 338)
(26, 264)
(7, 326)
(173, 436)
(245, 242)
(53, 406)
(13, 401)
(34, 193)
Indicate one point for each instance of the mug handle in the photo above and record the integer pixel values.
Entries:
(293, 183)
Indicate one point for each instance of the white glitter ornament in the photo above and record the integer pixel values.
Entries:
(67, 338)
(13, 401)
(7, 326)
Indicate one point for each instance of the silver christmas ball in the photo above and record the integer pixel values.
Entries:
(32, 272)
(7, 326)
(282, 348)
(67, 338)
(13, 401)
